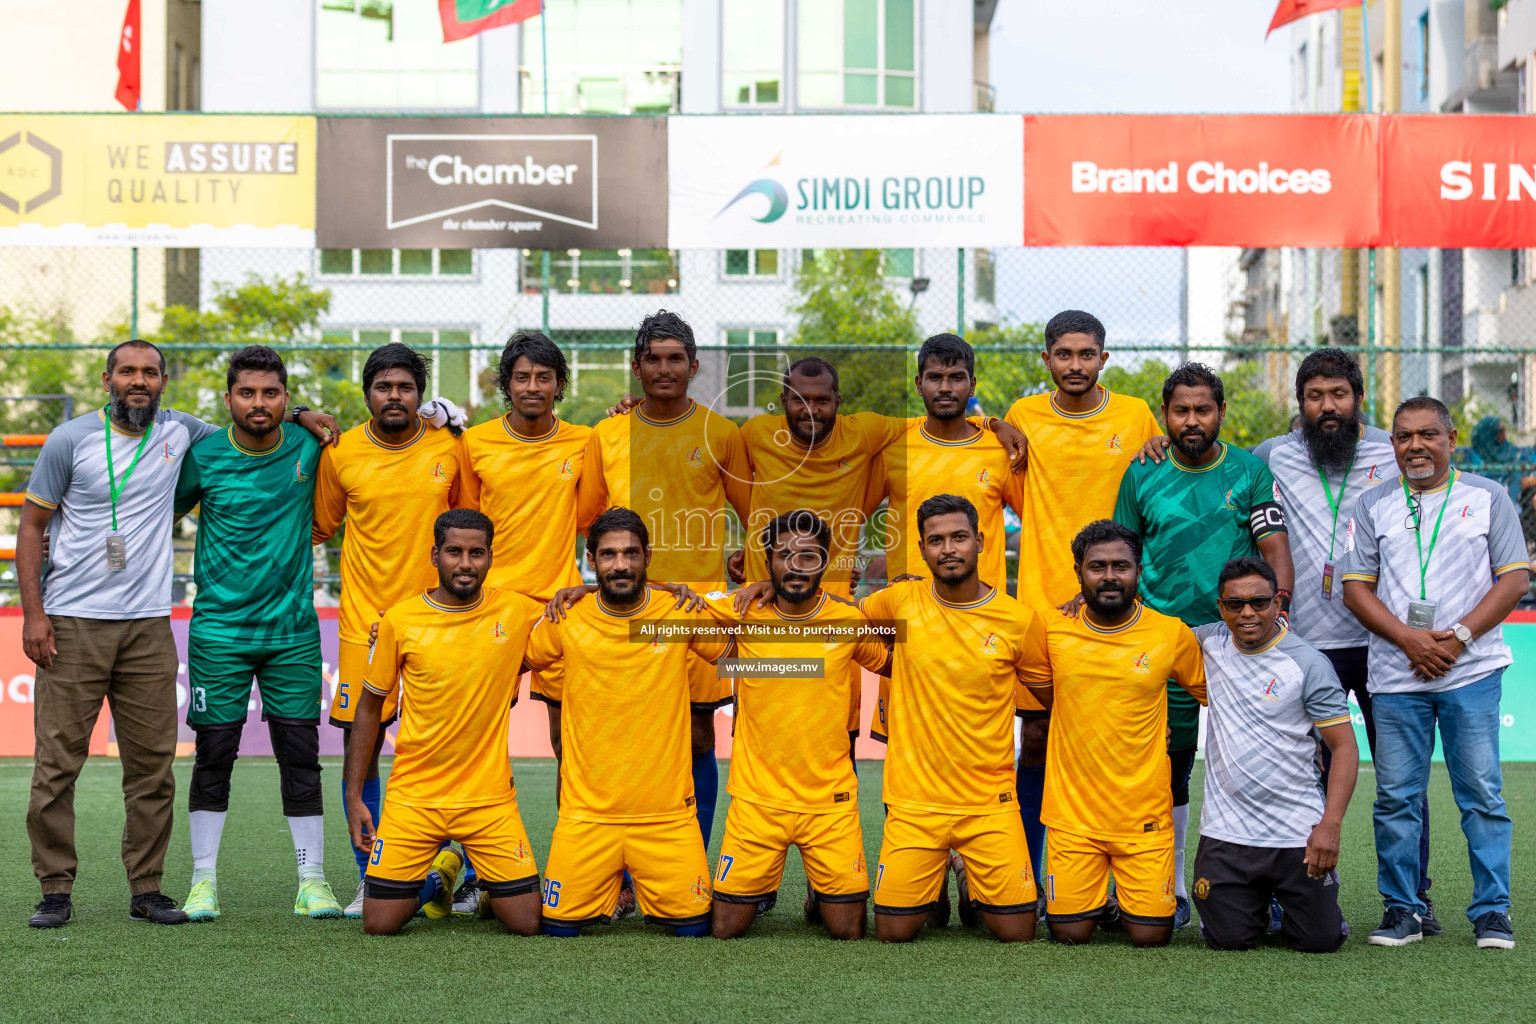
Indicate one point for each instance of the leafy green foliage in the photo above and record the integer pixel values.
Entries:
(1002, 378)
(1253, 414)
(844, 304)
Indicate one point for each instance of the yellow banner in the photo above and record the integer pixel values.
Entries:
(183, 180)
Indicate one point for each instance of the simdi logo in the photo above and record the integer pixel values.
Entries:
(15, 175)
(435, 177)
(1202, 177)
(852, 199)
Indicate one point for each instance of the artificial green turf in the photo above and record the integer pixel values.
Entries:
(260, 963)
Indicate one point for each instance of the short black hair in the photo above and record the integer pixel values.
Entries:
(1242, 568)
(799, 523)
(1193, 375)
(1073, 321)
(462, 519)
(396, 356)
(617, 520)
(1418, 402)
(540, 351)
(661, 325)
(943, 505)
(813, 366)
(259, 359)
(1329, 362)
(112, 355)
(1101, 531)
(947, 350)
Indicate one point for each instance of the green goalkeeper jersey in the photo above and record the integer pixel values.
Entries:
(255, 579)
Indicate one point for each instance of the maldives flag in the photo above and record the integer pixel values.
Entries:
(128, 79)
(464, 18)
(1293, 10)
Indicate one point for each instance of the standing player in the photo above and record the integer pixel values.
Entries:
(458, 651)
(388, 479)
(1208, 502)
(621, 705)
(254, 616)
(1108, 801)
(1081, 438)
(791, 781)
(949, 776)
(1266, 831)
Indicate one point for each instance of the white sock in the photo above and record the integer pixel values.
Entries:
(1180, 830)
(309, 846)
(207, 828)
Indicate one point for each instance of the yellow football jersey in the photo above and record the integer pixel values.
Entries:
(1076, 461)
(457, 671)
(790, 749)
(953, 697)
(835, 480)
(1106, 765)
(681, 476)
(919, 466)
(625, 740)
(389, 496)
(538, 492)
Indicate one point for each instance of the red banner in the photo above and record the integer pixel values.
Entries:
(1306, 180)
(1458, 181)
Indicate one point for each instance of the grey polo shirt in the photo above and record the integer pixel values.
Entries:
(70, 479)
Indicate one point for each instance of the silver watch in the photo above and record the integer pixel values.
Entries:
(1462, 633)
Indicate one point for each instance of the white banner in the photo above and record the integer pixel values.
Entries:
(845, 181)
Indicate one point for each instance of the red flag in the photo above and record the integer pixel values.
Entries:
(129, 82)
(1293, 10)
(464, 18)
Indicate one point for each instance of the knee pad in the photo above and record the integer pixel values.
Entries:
(296, 745)
(216, 748)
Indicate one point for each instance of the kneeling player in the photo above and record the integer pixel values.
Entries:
(1108, 802)
(457, 650)
(1265, 829)
(949, 775)
(622, 706)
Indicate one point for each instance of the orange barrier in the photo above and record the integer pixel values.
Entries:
(13, 500)
(23, 440)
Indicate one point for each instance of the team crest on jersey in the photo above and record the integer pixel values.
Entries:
(1466, 512)
(564, 470)
(984, 476)
(1112, 444)
(1226, 503)
(989, 643)
(696, 455)
(844, 464)
(520, 851)
(656, 646)
(858, 865)
(1142, 664)
(1374, 474)
(168, 452)
(498, 635)
(1275, 490)
(299, 476)
(1271, 691)
(700, 889)
(438, 472)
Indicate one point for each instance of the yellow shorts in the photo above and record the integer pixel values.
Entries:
(351, 666)
(493, 836)
(587, 860)
(757, 838)
(915, 854)
(1078, 870)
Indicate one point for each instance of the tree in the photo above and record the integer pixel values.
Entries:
(844, 305)
(1002, 378)
(1253, 414)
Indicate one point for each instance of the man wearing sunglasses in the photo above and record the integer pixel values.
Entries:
(1266, 829)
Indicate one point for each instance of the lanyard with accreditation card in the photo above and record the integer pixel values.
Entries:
(1421, 613)
(117, 552)
(1335, 505)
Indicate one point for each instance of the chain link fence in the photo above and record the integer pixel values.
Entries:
(1456, 324)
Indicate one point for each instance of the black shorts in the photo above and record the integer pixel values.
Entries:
(1233, 885)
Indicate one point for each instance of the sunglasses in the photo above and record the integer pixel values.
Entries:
(1235, 605)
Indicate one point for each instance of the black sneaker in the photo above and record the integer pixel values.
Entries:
(938, 917)
(1494, 931)
(1399, 927)
(54, 912)
(767, 904)
(1109, 918)
(970, 913)
(812, 908)
(155, 907)
(1427, 920)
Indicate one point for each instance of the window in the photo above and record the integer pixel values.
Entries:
(390, 54)
(752, 53)
(449, 351)
(605, 57)
(858, 53)
(751, 263)
(397, 262)
(1424, 57)
(602, 271)
(754, 369)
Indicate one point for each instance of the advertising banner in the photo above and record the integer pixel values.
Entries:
(846, 181)
(1462, 181)
(181, 180)
(500, 182)
(1263, 180)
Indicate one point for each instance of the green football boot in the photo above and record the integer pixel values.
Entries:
(203, 901)
(316, 900)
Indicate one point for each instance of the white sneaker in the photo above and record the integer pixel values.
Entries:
(355, 908)
(466, 902)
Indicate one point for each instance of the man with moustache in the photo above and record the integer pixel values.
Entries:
(1436, 561)
(97, 624)
(1321, 469)
(1208, 502)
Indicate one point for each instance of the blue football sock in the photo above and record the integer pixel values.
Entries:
(628, 882)
(469, 870)
(692, 931)
(429, 889)
(561, 933)
(1031, 795)
(706, 787)
(373, 800)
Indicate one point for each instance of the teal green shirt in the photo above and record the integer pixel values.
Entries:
(1191, 522)
(255, 578)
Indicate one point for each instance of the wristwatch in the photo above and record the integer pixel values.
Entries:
(297, 411)
(1462, 633)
